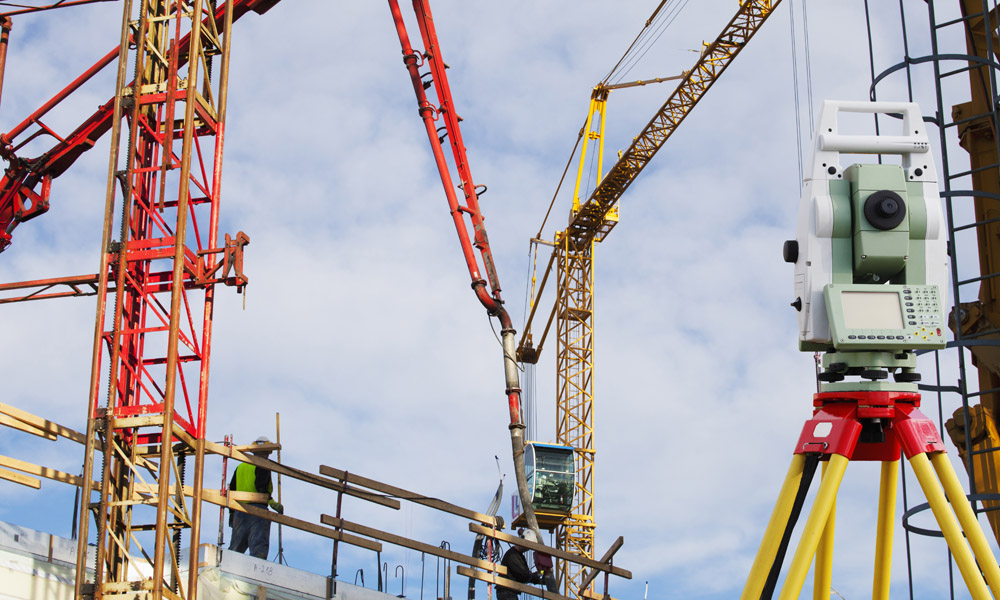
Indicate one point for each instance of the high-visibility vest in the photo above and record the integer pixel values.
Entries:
(246, 477)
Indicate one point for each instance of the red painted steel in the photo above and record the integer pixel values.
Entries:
(837, 423)
(490, 299)
(42, 289)
(156, 282)
(429, 113)
(54, 5)
(20, 200)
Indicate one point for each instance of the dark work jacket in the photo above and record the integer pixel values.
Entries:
(517, 569)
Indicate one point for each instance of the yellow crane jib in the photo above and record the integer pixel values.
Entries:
(590, 221)
(716, 57)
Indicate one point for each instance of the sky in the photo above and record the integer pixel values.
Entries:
(359, 327)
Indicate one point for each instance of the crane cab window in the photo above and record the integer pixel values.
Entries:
(551, 474)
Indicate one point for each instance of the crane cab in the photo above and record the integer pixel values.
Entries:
(551, 474)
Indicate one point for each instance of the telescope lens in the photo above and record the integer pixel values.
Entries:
(885, 210)
(887, 207)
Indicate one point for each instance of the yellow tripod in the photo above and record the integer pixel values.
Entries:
(868, 426)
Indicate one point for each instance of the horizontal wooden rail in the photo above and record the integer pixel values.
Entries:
(574, 558)
(42, 424)
(32, 469)
(20, 478)
(412, 544)
(385, 488)
(517, 586)
(333, 534)
(259, 461)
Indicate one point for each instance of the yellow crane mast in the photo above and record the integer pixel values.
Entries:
(979, 321)
(573, 250)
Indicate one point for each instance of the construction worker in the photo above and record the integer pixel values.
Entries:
(517, 566)
(251, 531)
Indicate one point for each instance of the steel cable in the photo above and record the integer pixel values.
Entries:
(667, 21)
(795, 86)
(641, 33)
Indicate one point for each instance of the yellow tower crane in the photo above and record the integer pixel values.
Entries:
(572, 256)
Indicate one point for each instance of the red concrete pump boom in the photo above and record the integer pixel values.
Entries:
(438, 79)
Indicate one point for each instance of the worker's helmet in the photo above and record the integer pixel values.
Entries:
(529, 535)
(261, 441)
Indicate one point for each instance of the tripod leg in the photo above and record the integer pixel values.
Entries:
(883, 536)
(949, 527)
(823, 571)
(775, 530)
(966, 516)
(818, 516)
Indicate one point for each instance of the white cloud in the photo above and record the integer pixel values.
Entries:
(360, 327)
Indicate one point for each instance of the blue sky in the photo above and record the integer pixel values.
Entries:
(359, 326)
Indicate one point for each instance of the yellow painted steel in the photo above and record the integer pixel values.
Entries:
(960, 550)
(884, 530)
(823, 571)
(944, 493)
(970, 524)
(813, 529)
(976, 130)
(598, 106)
(575, 398)
(590, 222)
(775, 530)
(983, 464)
(575, 360)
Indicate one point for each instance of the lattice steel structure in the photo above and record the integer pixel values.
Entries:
(590, 222)
(153, 331)
(575, 395)
(975, 319)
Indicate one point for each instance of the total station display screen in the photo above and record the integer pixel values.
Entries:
(864, 316)
(872, 310)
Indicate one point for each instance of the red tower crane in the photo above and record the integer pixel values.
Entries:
(155, 285)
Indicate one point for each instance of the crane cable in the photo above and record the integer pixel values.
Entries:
(809, 79)
(533, 244)
(652, 19)
(809, 102)
(666, 21)
(660, 21)
(795, 79)
(632, 45)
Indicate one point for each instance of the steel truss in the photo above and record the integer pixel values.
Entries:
(974, 321)
(575, 398)
(156, 325)
(590, 222)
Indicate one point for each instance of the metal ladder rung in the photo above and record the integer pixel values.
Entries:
(972, 171)
(959, 20)
(980, 278)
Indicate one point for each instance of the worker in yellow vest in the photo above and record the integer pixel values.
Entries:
(251, 531)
